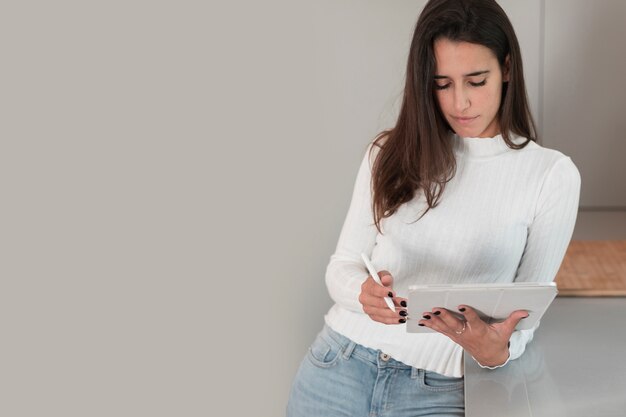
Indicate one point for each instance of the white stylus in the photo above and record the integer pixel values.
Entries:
(374, 274)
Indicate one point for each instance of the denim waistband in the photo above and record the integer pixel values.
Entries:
(350, 348)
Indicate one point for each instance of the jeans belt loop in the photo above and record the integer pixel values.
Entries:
(349, 349)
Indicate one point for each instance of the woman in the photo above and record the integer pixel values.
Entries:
(507, 215)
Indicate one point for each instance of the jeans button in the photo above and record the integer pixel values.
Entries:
(384, 357)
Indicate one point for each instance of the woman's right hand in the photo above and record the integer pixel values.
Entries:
(371, 298)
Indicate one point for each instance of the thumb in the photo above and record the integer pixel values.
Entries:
(385, 278)
(514, 318)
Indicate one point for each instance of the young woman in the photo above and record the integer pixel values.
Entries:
(507, 215)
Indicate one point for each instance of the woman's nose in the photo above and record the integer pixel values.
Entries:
(461, 100)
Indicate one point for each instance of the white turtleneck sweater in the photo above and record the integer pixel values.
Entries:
(506, 216)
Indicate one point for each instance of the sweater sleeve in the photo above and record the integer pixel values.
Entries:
(548, 237)
(345, 271)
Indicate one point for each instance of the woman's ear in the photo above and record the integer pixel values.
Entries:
(506, 71)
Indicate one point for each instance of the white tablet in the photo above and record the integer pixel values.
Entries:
(492, 302)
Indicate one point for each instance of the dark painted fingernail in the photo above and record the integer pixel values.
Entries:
(436, 313)
(420, 324)
(426, 316)
(390, 294)
(509, 345)
(462, 309)
(403, 303)
(403, 313)
(402, 321)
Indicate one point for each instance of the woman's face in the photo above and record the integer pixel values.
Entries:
(468, 86)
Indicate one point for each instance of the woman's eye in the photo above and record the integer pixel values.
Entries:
(445, 86)
(479, 84)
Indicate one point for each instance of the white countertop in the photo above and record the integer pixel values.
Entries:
(575, 366)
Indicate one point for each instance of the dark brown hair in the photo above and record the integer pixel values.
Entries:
(416, 154)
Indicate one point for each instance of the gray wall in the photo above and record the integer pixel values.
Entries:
(585, 94)
(175, 176)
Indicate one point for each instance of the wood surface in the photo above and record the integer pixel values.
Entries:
(593, 268)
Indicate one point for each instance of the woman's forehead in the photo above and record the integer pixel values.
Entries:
(454, 59)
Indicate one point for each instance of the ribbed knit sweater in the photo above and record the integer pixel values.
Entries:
(506, 216)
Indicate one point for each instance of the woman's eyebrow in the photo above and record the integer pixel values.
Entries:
(472, 74)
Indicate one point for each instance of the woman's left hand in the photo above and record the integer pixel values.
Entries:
(487, 343)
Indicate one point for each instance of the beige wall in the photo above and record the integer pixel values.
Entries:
(175, 176)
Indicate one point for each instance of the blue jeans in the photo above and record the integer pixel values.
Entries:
(341, 378)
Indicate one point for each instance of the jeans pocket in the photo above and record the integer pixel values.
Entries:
(437, 382)
(324, 353)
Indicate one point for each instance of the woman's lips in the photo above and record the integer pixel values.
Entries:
(465, 120)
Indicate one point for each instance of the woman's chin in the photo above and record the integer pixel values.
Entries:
(465, 133)
(471, 133)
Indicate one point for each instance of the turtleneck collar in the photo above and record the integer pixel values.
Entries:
(483, 147)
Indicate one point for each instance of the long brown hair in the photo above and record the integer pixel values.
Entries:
(417, 153)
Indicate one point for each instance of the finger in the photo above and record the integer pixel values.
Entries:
(372, 300)
(472, 318)
(427, 315)
(450, 320)
(388, 320)
(424, 323)
(399, 308)
(435, 323)
(514, 318)
(400, 302)
(383, 312)
(400, 305)
(373, 288)
(386, 278)
(377, 306)
(428, 318)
